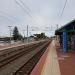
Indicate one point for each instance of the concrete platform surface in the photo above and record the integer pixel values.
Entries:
(55, 62)
(48, 64)
(39, 66)
(51, 66)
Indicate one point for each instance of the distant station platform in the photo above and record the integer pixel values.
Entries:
(4, 47)
(55, 62)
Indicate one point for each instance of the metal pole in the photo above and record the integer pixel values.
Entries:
(24, 34)
(10, 33)
(57, 26)
(27, 33)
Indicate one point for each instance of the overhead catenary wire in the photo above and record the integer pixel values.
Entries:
(63, 9)
(9, 17)
(26, 7)
(23, 8)
(26, 12)
(61, 14)
(29, 10)
(6, 18)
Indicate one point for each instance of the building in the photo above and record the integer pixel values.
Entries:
(3, 38)
(66, 36)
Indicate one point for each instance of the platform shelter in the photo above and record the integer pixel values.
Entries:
(66, 36)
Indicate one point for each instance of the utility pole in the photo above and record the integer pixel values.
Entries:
(27, 33)
(51, 27)
(10, 33)
(57, 29)
(57, 26)
(24, 34)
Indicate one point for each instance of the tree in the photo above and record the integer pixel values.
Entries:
(16, 35)
(20, 37)
(40, 36)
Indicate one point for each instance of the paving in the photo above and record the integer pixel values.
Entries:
(38, 68)
(49, 61)
(51, 66)
(67, 64)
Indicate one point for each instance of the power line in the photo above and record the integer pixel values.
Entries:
(23, 8)
(63, 9)
(19, 2)
(7, 16)
(61, 14)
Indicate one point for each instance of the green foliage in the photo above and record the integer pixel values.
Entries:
(16, 35)
(40, 36)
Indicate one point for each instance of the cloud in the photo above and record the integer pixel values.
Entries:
(44, 13)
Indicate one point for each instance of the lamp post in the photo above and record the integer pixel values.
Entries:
(10, 33)
(57, 26)
(24, 34)
(27, 33)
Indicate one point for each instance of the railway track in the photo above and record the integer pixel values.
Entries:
(28, 67)
(29, 52)
(14, 49)
(13, 55)
(7, 52)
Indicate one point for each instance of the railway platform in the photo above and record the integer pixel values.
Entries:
(51, 60)
(55, 62)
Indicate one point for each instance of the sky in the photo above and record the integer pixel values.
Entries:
(39, 15)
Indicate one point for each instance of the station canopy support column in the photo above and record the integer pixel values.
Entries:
(65, 41)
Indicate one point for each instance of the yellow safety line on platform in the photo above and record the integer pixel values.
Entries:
(51, 66)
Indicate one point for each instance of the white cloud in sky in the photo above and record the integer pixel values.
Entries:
(44, 13)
